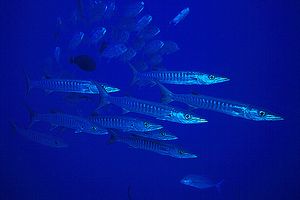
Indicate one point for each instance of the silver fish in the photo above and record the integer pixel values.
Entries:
(157, 110)
(160, 134)
(41, 138)
(67, 85)
(200, 182)
(177, 77)
(149, 32)
(219, 105)
(76, 40)
(97, 34)
(152, 145)
(180, 16)
(134, 9)
(143, 22)
(125, 123)
(169, 47)
(114, 51)
(153, 46)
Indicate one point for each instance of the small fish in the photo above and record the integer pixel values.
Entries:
(157, 110)
(97, 10)
(149, 32)
(153, 47)
(180, 16)
(168, 48)
(111, 7)
(151, 145)
(134, 9)
(128, 55)
(97, 34)
(67, 85)
(41, 138)
(201, 182)
(77, 123)
(125, 123)
(177, 77)
(143, 23)
(118, 36)
(57, 53)
(114, 51)
(76, 40)
(160, 134)
(84, 62)
(219, 105)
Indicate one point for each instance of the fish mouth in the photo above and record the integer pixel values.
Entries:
(221, 79)
(197, 120)
(190, 155)
(170, 137)
(270, 117)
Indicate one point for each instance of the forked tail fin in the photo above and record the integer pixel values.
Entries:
(103, 95)
(166, 95)
(134, 73)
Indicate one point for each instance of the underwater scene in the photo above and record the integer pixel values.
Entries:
(150, 100)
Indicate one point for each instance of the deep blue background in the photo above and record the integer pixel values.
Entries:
(255, 43)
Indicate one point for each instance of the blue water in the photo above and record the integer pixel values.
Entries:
(254, 43)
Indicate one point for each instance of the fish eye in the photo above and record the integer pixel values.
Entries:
(146, 124)
(211, 77)
(94, 128)
(187, 116)
(262, 113)
(181, 152)
(163, 133)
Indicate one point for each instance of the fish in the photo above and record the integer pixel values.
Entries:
(151, 145)
(79, 124)
(219, 105)
(156, 110)
(149, 32)
(76, 40)
(176, 77)
(114, 51)
(160, 134)
(155, 60)
(118, 36)
(67, 85)
(124, 123)
(143, 23)
(169, 47)
(128, 55)
(40, 138)
(57, 52)
(178, 18)
(111, 7)
(97, 10)
(153, 47)
(84, 62)
(133, 9)
(200, 182)
(97, 34)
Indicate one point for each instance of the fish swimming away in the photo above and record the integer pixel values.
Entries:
(114, 51)
(128, 55)
(201, 182)
(133, 9)
(219, 105)
(143, 23)
(57, 52)
(76, 40)
(41, 138)
(151, 145)
(156, 110)
(149, 32)
(180, 16)
(84, 62)
(97, 34)
(79, 124)
(169, 47)
(124, 123)
(153, 47)
(176, 77)
(160, 134)
(68, 85)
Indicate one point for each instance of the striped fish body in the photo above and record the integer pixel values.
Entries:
(153, 109)
(210, 103)
(67, 85)
(79, 124)
(41, 138)
(172, 77)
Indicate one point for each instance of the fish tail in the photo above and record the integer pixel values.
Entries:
(113, 137)
(32, 115)
(103, 95)
(28, 83)
(134, 73)
(166, 95)
(219, 184)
